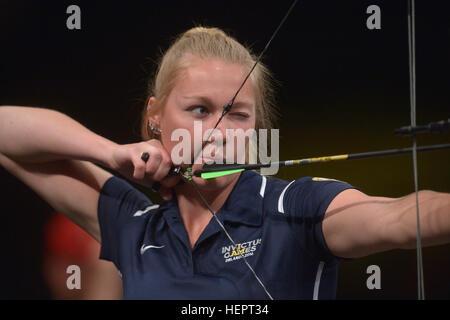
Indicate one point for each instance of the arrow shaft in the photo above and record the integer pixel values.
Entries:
(299, 162)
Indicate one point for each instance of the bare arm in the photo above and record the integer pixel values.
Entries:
(41, 135)
(357, 225)
(55, 156)
(71, 187)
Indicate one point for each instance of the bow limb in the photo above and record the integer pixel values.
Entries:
(412, 89)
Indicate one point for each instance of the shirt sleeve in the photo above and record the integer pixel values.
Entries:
(117, 204)
(306, 201)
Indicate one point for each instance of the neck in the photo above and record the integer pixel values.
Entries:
(193, 210)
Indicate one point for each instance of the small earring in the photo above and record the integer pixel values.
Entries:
(155, 130)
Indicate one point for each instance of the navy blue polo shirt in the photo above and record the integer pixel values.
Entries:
(277, 225)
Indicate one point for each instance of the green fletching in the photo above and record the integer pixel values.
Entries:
(211, 175)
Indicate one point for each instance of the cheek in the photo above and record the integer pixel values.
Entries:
(181, 130)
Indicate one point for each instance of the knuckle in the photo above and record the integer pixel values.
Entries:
(150, 170)
(155, 154)
(155, 142)
(158, 156)
(160, 174)
(139, 165)
(166, 162)
(137, 174)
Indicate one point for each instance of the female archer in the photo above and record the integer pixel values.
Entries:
(244, 235)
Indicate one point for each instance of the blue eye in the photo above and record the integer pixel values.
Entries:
(199, 110)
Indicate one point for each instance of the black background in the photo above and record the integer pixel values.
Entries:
(343, 89)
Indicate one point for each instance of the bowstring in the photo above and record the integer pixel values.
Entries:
(230, 238)
(226, 108)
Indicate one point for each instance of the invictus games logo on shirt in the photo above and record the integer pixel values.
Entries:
(246, 249)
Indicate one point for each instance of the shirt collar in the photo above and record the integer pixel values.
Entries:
(244, 204)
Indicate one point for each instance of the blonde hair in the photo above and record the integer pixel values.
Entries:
(208, 43)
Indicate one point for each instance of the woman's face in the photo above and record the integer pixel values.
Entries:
(202, 90)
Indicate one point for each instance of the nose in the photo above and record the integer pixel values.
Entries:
(221, 126)
(217, 125)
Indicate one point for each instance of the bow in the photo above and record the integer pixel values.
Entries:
(412, 90)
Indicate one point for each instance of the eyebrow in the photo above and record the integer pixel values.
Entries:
(203, 99)
(237, 103)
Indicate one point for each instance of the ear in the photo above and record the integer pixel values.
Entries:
(153, 113)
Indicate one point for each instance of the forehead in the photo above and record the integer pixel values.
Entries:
(214, 77)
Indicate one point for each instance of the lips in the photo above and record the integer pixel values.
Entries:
(210, 160)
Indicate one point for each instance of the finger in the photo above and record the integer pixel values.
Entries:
(171, 181)
(164, 166)
(139, 169)
(153, 164)
(163, 169)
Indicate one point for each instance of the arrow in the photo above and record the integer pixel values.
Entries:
(210, 171)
